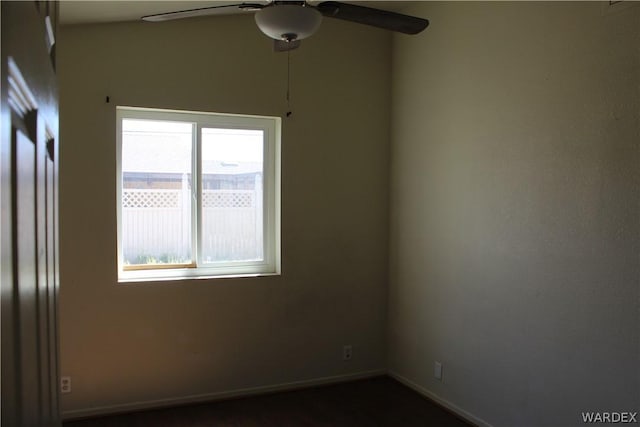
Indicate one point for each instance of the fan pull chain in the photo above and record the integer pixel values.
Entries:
(288, 83)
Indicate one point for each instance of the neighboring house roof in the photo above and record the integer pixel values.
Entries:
(171, 153)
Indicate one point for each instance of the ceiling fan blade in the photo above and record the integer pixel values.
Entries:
(375, 17)
(202, 11)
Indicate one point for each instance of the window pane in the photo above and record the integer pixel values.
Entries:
(156, 192)
(232, 199)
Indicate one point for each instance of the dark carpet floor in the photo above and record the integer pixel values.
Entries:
(373, 402)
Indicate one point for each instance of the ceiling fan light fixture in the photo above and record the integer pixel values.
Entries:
(288, 22)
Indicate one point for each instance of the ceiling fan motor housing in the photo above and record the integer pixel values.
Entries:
(288, 21)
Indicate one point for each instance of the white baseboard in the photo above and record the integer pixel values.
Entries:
(209, 397)
(440, 401)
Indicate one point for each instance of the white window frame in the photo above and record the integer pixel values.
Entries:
(271, 203)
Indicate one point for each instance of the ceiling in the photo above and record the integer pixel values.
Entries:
(96, 11)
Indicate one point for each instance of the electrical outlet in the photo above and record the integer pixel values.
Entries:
(437, 370)
(65, 384)
(347, 352)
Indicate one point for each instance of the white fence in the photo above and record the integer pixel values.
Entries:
(156, 225)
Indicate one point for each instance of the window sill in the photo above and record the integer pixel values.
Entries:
(129, 280)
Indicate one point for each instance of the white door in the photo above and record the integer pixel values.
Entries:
(28, 225)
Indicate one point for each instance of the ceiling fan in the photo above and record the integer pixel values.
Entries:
(288, 22)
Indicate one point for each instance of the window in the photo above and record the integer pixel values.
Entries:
(198, 194)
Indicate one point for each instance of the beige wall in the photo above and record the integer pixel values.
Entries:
(515, 216)
(136, 343)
